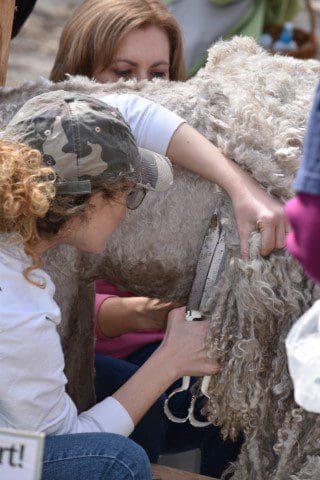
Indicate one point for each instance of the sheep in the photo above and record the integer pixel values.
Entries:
(254, 107)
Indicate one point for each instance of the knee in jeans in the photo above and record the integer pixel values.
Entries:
(137, 460)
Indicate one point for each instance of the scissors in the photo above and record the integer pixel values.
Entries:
(211, 263)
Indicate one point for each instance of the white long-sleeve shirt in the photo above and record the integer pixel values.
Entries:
(32, 380)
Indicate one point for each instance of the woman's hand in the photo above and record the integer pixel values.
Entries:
(254, 209)
(184, 346)
(181, 353)
(120, 315)
(153, 313)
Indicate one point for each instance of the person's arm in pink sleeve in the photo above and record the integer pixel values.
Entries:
(99, 299)
(116, 316)
(303, 212)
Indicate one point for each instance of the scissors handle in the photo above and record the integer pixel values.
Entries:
(185, 385)
(190, 416)
(204, 386)
(190, 316)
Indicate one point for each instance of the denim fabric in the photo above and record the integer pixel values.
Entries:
(308, 177)
(94, 456)
(155, 433)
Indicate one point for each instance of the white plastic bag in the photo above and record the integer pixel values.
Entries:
(303, 350)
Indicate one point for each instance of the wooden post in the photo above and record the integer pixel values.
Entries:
(6, 21)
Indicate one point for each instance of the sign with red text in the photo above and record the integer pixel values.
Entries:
(20, 454)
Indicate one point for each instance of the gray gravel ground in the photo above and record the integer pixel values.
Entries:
(32, 52)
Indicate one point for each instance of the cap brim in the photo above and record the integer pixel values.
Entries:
(156, 171)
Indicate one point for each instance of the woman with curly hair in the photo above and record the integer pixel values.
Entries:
(73, 189)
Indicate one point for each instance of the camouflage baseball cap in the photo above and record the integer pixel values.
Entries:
(81, 137)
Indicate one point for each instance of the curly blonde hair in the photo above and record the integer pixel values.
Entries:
(26, 191)
(29, 206)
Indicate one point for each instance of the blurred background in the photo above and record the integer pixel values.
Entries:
(32, 51)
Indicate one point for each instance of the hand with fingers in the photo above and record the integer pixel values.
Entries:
(255, 209)
(153, 313)
(181, 353)
(119, 315)
(184, 343)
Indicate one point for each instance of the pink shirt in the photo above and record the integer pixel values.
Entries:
(124, 345)
(303, 241)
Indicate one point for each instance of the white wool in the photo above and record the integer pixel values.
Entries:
(253, 106)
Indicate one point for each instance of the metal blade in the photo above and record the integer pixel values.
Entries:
(210, 264)
(217, 266)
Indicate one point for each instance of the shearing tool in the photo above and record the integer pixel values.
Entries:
(211, 263)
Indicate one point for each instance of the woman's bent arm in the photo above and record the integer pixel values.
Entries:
(161, 130)
(253, 207)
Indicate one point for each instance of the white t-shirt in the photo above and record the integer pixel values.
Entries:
(32, 380)
(152, 125)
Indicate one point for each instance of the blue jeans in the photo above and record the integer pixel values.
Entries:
(155, 433)
(94, 456)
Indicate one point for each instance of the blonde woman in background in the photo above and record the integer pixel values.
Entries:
(102, 33)
(42, 207)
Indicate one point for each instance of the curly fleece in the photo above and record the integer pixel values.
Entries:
(254, 107)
